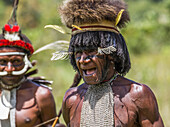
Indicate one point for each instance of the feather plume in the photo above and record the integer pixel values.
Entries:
(58, 28)
(107, 50)
(60, 55)
(119, 15)
(77, 27)
(13, 20)
(58, 46)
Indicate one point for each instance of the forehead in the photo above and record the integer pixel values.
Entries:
(10, 49)
(11, 56)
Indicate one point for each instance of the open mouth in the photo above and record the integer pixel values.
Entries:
(89, 72)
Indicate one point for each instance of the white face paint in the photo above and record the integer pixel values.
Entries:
(27, 63)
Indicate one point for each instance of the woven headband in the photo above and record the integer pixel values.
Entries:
(102, 26)
(94, 28)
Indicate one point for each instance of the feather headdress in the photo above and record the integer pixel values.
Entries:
(93, 15)
(61, 48)
(11, 33)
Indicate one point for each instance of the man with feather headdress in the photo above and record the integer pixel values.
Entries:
(98, 52)
(24, 101)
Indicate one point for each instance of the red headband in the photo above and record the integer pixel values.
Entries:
(19, 43)
(15, 43)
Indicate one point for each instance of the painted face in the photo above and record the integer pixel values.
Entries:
(11, 63)
(92, 67)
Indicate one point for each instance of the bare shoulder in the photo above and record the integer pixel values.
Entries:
(142, 98)
(137, 91)
(146, 102)
(142, 95)
(44, 96)
(70, 93)
(74, 93)
(41, 92)
(70, 101)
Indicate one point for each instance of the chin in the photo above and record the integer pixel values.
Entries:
(8, 83)
(91, 76)
(91, 80)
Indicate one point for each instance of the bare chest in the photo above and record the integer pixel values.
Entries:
(27, 110)
(125, 114)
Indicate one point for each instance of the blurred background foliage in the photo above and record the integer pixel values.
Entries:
(147, 37)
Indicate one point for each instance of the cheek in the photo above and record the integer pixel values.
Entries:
(101, 69)
(1, 68)
(19, 68)
(100, 64)
(78, 66)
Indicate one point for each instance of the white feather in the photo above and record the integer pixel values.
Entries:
(58, 28)
(58, 46)
(60, 56)
(12, 37)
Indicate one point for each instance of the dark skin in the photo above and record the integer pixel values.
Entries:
(134, 104)
(37, 107)
(35, 103)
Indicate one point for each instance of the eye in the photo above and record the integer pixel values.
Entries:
(90, 56)
(78, 54)
(3, 62)
(17, 62)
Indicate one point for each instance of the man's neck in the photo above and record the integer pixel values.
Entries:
(111, 79)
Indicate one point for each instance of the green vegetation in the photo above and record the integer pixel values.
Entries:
(147, 37)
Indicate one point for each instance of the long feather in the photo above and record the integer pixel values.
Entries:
(58, 46)
(60, 55)
(58, 28)
(13, 17)
(119, 15)
(77, 27)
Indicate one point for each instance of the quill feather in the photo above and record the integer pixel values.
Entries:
(60, 56)
(58, 46)
(58, 28)
(119, 15)
(13, 17)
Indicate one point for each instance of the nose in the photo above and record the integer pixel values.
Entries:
(9, 68)
(84, 58)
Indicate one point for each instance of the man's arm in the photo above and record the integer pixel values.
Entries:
(148, 108)
(46, 104)
(68, 101)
